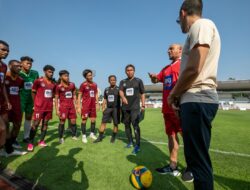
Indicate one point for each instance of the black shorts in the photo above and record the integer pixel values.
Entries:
(110, 114)
(131, 116)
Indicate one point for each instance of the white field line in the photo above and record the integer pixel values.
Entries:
(231, 153)
(211, 150)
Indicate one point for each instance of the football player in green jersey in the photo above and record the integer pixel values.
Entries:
(28, 76)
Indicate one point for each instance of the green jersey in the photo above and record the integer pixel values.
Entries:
(28, 82)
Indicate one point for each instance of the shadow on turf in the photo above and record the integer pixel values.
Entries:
(151, 157)
(54, 171)
(229, 183)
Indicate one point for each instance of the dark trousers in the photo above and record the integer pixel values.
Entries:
(196, 119)
(132, 116)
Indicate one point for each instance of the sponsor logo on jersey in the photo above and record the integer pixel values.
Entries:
(168, 82)
(28, 85)
(14, 90)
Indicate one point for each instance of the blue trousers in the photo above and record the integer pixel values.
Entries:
(196, 119)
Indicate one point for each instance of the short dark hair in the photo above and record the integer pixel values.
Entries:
(129, 65)
(192, 7)
(12, 61)
(48, 67)
(26, 58)
(85, 72)
(4, 43)
(62, 72)
(110, 76)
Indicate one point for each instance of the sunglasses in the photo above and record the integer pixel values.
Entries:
(178, 20)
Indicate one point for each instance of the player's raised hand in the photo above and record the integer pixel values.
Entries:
(153, 77)
(150, 75)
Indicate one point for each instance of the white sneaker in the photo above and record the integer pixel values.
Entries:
(84, 139)
(92, 136)
(61, 141)
(16, 153)
(75, 138)
(2, 152)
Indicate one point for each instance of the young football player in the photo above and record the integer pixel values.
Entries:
(110, 108)
(65, 100)
(86, 104)
(132, 93)
(13, 85)
(4, 100)
(42, 92)
(27, 104)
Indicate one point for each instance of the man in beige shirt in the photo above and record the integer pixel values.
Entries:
(194, 94)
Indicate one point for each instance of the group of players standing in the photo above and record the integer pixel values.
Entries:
(22, 91)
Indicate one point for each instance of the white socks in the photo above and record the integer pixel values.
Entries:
(27, 126)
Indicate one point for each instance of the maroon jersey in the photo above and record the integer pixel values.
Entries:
(13, 86)
(3, 70)
(66, 95)
(89, 91)
(44, 94)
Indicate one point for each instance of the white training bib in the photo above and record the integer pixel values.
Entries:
(92, 93)
(111, 98)
(28, 85)
(14, 90)
(48, 93)
(68, 94)
(130, 91)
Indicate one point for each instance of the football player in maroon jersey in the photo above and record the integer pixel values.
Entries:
(65, 99)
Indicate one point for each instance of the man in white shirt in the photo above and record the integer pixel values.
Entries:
(194, 94)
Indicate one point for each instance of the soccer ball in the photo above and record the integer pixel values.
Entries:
(141, 177)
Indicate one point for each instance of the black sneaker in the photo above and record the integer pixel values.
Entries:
(99, 139)
(26, 140)
(168, 170)
(187, 176)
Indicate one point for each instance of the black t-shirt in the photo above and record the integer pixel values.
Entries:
(112, 96)
(132, 90)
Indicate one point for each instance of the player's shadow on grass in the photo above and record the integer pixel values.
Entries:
(229, 183)
(51, 135)
(152, 157)
(53, 170)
